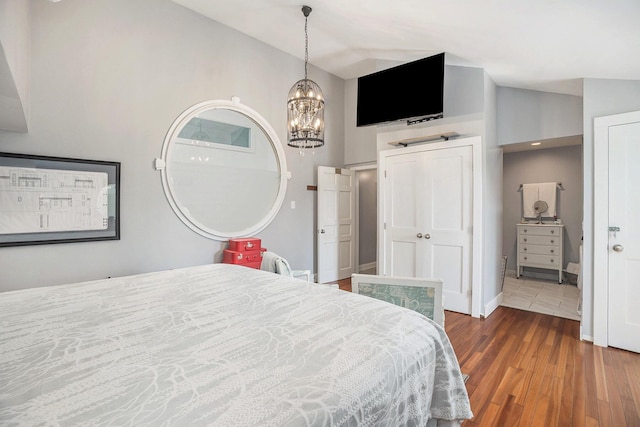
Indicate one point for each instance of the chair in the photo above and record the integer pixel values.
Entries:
(276, 264)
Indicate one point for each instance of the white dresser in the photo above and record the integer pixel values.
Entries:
(540, 245)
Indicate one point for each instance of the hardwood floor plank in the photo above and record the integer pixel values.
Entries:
(632, 370)
(580, 390)
(568, 389)
(615, 402)
(511, 379)
(601, 380)
(540, 413)
(591, 404)
(604, 414)
(555, 402)
(510, 413)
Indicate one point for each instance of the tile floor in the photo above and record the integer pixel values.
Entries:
(541, 296)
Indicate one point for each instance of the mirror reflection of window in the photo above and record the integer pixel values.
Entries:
(205, 133)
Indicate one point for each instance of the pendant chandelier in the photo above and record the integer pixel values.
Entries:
(305, 106)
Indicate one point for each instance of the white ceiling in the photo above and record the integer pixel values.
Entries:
(544, 45)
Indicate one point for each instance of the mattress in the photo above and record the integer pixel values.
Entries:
(220, 345)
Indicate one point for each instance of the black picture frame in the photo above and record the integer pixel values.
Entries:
(45, 200)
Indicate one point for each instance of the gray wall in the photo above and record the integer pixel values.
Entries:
(491, 200)
(367, 207)
(360, 142)
(14, 65)
(108, 78)
(528, 115)
(563, 164)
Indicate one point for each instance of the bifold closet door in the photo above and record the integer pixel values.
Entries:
(428, 220)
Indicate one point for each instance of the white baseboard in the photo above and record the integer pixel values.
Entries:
(493, 304)
(367, 266)
(585, 337)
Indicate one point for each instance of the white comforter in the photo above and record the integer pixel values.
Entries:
(220, 345)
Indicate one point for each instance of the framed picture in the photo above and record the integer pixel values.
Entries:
(421, 295)
(57, 200)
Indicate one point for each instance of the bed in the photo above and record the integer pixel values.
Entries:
(221, 345)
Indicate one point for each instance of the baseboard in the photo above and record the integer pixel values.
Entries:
(584, 337)
(493, 304)
(367, 266)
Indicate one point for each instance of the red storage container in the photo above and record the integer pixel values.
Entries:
(251, 259)
(246, 244)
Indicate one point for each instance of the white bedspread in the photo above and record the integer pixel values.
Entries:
(220, 345)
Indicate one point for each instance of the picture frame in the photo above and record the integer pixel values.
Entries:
(421, 295)
(45, 200)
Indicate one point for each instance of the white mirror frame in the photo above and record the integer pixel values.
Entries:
(162, 164)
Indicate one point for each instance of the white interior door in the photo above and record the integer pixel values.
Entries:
(336, 219)
(448, 216)
(427, 215)
(402, 192)
(624, 237)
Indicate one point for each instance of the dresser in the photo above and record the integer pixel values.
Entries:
(540, 246)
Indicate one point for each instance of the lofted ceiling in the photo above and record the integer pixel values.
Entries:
(547, 45)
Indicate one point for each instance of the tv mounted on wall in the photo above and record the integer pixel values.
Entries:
(409, 91)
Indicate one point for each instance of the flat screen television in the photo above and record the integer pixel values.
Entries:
(408, 91)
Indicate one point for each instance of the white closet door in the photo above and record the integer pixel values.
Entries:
(428, 218)
(403, 189)
(448, 217)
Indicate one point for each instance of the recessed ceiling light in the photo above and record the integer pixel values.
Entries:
(536, 143)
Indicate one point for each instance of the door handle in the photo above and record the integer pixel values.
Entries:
(419, 235)
(322, 231)
(618, 248)
(427, 236)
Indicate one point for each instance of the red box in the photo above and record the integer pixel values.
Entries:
(251, 259)
(247, 244)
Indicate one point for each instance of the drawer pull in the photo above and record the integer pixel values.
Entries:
(525, 249)
(551, 250)
(552, 261)
(553, 231)
(552, 241)
(525, 258)
(525, 230)
(525, 239)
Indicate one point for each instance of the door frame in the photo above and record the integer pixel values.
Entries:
(601, 221)
(356, 252)
(477, 212)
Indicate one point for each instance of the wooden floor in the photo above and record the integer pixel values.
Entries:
(530, 369)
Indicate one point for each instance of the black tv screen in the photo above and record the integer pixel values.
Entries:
(408, 91)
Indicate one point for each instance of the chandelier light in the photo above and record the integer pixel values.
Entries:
(305, 106)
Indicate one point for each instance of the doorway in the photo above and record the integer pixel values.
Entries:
(366, 227)
(554, 160)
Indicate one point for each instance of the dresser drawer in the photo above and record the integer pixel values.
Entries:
(524, 239)
(542, 261)
(539, 231)
(539, 249)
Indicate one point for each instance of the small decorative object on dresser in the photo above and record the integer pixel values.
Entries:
(540, 245)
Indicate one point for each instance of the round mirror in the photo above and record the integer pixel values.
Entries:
(223, 169)
(540, 207)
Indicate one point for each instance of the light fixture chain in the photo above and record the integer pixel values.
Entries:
(306, 47)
